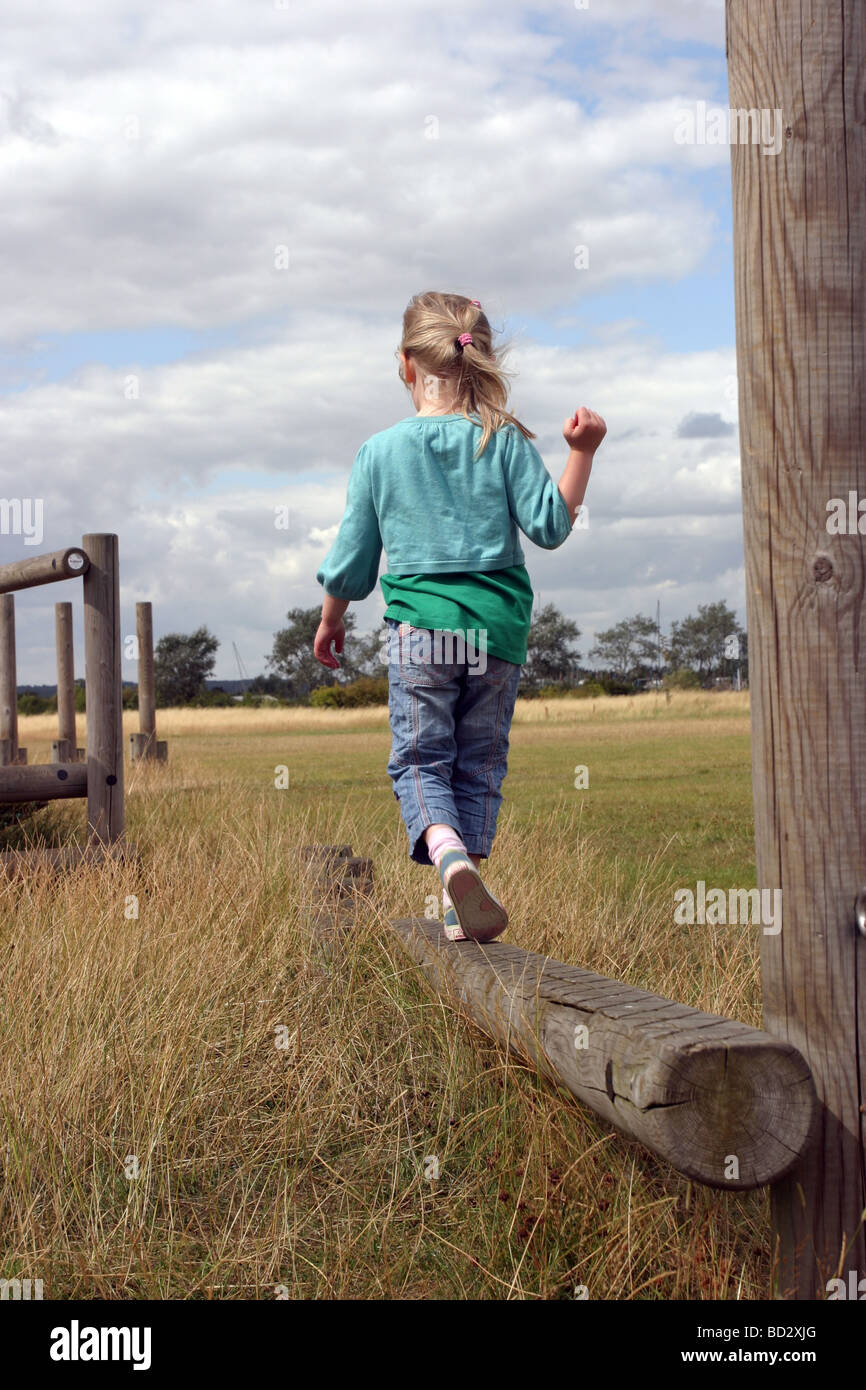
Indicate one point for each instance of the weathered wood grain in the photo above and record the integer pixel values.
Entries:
(724, 1103)
(800, 286)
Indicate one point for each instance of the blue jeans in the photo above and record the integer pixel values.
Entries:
(450, 721)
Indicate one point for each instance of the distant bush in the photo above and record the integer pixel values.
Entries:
(210, 699)
(36, 704)
(367, 690)
(683, 679)
(544, 692)
(611, 686)
(589, 691)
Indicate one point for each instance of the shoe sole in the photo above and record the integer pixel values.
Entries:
(479, 914)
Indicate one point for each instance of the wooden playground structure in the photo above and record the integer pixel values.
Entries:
(97, 772)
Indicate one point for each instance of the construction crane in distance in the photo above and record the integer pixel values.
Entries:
(242, 670)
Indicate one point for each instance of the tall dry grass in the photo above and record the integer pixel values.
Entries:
(158, 1143)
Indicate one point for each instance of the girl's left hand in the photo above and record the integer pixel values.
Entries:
(328, 633)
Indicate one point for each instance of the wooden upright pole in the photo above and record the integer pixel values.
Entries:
(143, 627)
(144, 745)
(66, 747)
(146, 697)
(8, 682)
(102, 673)
(800, 284)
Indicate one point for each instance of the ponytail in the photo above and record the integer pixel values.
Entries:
(450, 338)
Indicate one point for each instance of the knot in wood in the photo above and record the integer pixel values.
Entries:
(822, 568)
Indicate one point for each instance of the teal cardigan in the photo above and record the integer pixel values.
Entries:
(416, 490)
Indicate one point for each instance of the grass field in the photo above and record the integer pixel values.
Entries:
(157, 1143)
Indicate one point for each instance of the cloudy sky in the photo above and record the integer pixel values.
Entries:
(214, 215)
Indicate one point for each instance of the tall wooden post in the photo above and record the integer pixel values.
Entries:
(800, 283)
(8, 682)
(65, 749)
(9, 750)
(144, 745)
(102, 674)
(146, 696)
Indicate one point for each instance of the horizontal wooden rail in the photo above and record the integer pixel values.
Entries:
(725, 1104)
(43, 782)
(70, 563)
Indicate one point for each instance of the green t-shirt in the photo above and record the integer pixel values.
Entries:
(499, 601)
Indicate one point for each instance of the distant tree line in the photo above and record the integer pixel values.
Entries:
(705, 649)
(701, 650)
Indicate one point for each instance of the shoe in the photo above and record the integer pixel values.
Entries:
(480, 915)
(452, 927)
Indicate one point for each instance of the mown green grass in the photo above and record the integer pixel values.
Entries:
(678, 786)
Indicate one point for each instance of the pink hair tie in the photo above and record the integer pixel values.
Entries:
(476, 302)
(464, 339)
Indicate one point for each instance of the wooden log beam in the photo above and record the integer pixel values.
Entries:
(43, 782)
(723, 1103)
(70, 563)
(800, 298)
(335, 870)
(337, 881)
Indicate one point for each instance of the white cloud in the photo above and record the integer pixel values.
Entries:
(153, 159)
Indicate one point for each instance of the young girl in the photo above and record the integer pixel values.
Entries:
(444, 492)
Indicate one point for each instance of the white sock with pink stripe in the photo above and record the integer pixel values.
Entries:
(441, 838)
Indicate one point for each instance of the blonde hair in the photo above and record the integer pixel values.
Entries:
(432, 324)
